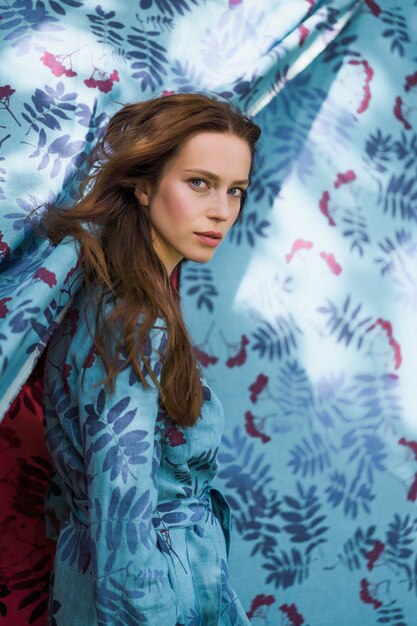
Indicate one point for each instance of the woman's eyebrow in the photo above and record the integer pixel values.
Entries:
(215, 177)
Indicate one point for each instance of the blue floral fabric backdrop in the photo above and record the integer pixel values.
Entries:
(305, 320)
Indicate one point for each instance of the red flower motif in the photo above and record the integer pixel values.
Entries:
(91, 357)
(324, 207)
(174, 436)
(369, 72)
(204, 358)
(4, 248)
(6, 91)
(56, 65)
(104, 83)
(374, 554)
(311, 7)
(410, 81)
(412, 492)
(46, 276)
(292, 613)
(387, 327)
(412, 445)
(252, 429)
(366, 595)
(344, 177)
(239, 358)
(72, 317)
(167, 93)
(3, 308)
(399, 113)
(65, 371)
(303, 32)
(373, 7)
(259, 601)
(258, 386)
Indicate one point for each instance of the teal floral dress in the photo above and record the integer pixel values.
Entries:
(144, 537)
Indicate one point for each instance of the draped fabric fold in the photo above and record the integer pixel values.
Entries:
(54, 162)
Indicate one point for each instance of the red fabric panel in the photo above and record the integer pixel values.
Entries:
(25, 552)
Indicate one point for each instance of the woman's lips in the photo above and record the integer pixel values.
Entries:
(209, 240)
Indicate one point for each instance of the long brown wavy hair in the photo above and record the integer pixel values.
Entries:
(114, 232)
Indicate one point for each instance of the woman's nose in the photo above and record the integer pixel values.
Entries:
(220, 207)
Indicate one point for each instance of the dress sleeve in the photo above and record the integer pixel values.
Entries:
(122, 454)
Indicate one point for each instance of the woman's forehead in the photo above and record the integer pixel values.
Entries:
(216, 152)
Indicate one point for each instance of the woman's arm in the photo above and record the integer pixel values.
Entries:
(130, 575)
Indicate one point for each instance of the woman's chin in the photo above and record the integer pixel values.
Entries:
(202, 256)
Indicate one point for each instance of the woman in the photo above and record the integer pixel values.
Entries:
(132, 428)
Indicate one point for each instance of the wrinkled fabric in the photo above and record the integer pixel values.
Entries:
(144, 538)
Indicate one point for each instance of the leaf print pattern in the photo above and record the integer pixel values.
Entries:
(306, 325)
(112, 454)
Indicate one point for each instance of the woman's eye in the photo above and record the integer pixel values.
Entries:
(239, 190)
(198, 180)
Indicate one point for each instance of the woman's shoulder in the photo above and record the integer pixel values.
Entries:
(78, 328)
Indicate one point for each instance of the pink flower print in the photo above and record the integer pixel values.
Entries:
(311, 7)
(299, 244)
(367, 96)
(396, 348)
(331, 262)
(55, 62)
(343, 178)
(167, 93)
(325, 209)
(3, 308)
(303, 33)
(6, 92)
(105, 81)
(46, 276)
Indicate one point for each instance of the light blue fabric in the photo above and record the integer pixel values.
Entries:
(145, 536)
(86, 62)
(305, 319)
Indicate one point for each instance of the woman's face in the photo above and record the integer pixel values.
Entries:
(198, 197)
